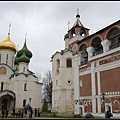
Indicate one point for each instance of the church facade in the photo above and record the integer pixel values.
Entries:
(86, 73)
(18, 85)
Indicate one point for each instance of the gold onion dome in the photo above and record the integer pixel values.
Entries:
(8, 44)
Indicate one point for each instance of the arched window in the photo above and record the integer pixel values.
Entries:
(25, 87)
(24, 102)
(114, 37)
(58, 65)
(2, 86)
(96, 44)
(7, 59)
(68, 62)
(84, 54)
(23, 69)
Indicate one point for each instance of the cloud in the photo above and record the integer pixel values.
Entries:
(46, 24)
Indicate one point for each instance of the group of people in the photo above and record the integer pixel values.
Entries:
(108, 113)
(37, 111)
(24, 111)
(4, 113)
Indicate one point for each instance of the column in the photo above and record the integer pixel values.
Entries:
(99, 92)
(105, 43)
(76, 84)
(90, 51)
(93, 88)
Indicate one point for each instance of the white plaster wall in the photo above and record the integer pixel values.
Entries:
(10, 57)
(21, 67)
(30, 93)
(38, 95)
(63, 91)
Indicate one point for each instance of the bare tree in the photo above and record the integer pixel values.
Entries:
(47, 88)
(39, 78)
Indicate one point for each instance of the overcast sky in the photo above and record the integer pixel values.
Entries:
(46, 24)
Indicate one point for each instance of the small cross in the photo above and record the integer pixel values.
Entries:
(77, 11)
(9, 27)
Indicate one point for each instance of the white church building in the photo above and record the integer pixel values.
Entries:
(18, 85)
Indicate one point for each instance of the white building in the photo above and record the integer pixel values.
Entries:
(85, 69)
(18, 85)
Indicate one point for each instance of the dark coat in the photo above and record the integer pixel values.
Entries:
(108, 114)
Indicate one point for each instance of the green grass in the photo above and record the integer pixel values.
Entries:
(44, 114)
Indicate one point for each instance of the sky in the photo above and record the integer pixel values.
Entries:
(46, 23)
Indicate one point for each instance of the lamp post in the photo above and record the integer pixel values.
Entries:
(103, 96)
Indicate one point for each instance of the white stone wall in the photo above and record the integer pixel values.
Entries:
(33, 91)
(63, 91)
(21, 67)
(10, 57)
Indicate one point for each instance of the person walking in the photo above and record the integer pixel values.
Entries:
(39, 111)
(35, 111)
(13, 112)
(108, 113)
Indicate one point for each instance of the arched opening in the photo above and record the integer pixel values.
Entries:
(98, 48)
(57, 65)
(81, 111)
(84, 54)
(24, 102)
(114, 37)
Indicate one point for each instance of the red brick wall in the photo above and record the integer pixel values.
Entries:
(86, 90)
(110, 80)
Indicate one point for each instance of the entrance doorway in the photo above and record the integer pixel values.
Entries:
(81, 112)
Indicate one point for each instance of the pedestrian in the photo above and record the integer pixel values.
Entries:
(3, 113)
(6, 113)
(39, 111)
(31, 111)
(13, 112)
(108, 113)
(35, 111)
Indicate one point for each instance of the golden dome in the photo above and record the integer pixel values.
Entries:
(8, 44)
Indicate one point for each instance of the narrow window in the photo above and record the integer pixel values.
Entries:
(25, 86)
(24, 69)
(69, 63)
(56, 82)
(2, 86)
(58, 65)
(7, 59)
(24, 103)
(12, 61)
(0, 58)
